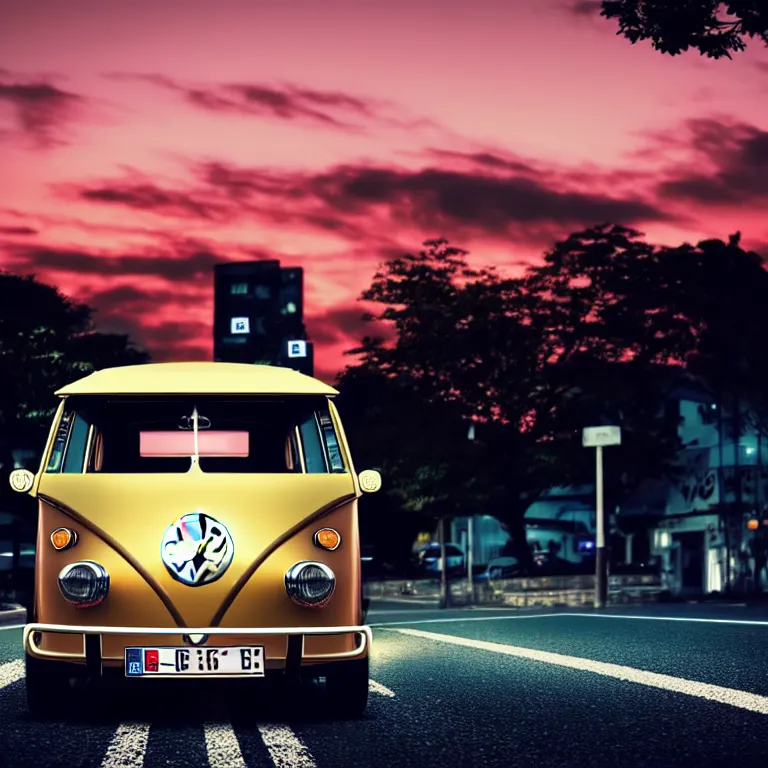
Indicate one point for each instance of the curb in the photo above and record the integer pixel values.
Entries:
(15, 615)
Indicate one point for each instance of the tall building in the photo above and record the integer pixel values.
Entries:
(258, 315)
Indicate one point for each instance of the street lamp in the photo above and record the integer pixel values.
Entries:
(599, 438)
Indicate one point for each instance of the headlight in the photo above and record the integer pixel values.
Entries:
(84, 584)
(310, 584)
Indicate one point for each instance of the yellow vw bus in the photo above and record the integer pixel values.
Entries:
(197, 520)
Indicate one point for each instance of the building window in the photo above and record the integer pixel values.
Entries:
(262, 292)
(239, 325)
(238, 289)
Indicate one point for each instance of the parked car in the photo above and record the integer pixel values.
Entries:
(428, 558)
(500, 568)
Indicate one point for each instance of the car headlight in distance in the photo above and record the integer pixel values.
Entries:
(84, 584)
(310, 584)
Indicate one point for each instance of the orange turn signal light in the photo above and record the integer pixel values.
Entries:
(63, 538)
(752, 525)
(327, 538)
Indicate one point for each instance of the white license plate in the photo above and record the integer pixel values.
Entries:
(239, 660)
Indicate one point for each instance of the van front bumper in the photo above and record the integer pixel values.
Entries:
(91, 654)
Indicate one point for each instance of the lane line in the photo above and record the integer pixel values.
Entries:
(128, 746)
(406, 600)
(222, 746)
(751, 622)
(375, 687)
(735, 698)
(12, 626)
(459, 618)
(285, 748)
(11, 672)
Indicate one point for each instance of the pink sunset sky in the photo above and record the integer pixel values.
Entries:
(143, 142)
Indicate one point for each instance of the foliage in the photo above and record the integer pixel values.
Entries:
(716, 29)
(46, 341)
(598, 333)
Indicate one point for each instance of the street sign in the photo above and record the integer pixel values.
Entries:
(599, 437)
(297, 348)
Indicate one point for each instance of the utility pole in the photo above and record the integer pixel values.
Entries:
(470, 559)
(599, 438)
(445, 596)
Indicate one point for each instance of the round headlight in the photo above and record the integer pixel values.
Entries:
(84, 584)
(310, 584)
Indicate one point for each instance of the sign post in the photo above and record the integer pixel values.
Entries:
(599, 438)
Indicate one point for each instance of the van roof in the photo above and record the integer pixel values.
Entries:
(204, 378)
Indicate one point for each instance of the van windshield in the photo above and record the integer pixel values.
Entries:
(113, 435)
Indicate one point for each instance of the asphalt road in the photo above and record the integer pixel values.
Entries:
(646, 686)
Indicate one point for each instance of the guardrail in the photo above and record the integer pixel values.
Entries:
(11, 614)
(539, 591)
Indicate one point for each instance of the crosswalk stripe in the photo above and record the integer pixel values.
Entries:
(375, 687)
(222, 746)
(285, 748)
(128, 746)
(11, 672)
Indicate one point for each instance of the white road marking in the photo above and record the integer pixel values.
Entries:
(735, 698)
(406, 600)
(222, 746)
(753, 622)
(11, 672)
(461, 618)
(375, 687)
(285, 748)
(128, 746)
(12, 626)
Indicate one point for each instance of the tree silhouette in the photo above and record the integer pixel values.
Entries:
(598, 333)
(716, 29)
(46, 341)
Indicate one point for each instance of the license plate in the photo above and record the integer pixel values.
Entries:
(242, 661)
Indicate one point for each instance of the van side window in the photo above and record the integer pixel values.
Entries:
(332, 448)
(74, 457)
(322, 452)
(314, 453)
(69, 445)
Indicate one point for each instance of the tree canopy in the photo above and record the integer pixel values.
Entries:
(46, 341)
(716, 29)
(595, 334)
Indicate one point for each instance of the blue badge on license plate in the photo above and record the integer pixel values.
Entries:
(133, 662)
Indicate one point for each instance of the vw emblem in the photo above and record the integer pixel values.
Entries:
(197, 549)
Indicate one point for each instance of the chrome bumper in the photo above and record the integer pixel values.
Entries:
(31, 646)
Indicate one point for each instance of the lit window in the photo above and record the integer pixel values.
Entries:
(238, 288)
(290, 308)
(240, 325)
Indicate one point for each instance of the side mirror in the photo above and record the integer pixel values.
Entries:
(22, 480)
(370, 480)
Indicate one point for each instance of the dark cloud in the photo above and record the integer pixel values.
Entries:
(285, 101)
(17, 231)
(150, 197)
(487, 160)
(358, 202)
(585, 7)
(185, 264)
(434, 198)
(729, 164)
(42, 109)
